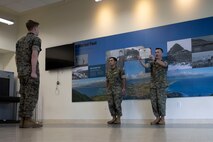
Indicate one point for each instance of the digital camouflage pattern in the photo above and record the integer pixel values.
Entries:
(29, 87)
(24, 52)
(158, 101)
(114, 91)
(157, 88)
(159, 75)
(29, 90)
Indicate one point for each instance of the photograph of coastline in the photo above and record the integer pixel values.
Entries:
(80, 72)
(137, 78)
(179, 54)
(190, 82)
(187, 76)
(202, 52)
(189, 56)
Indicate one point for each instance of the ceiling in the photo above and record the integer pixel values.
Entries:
(20, 6)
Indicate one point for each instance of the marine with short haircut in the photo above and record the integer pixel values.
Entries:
(158, 86)
(115, 82)
(27, 52)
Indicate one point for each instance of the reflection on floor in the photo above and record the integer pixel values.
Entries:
(99, 131)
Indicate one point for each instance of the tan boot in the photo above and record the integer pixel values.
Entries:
(29, 123)
(156, 121)
(112, 121)
(21, 123)
(118, 120)
(162, 121)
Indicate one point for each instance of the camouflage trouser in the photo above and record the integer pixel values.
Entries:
(114, 101)
(29, 89)
(158, 101)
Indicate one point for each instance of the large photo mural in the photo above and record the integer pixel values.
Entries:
(188, 49)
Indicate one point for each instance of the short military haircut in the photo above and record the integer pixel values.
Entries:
(159, 49)
(115, 59)
(31, 24)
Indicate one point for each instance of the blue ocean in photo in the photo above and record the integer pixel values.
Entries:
(182, 83)
(192, 87)
(186, 87)
(91, 91)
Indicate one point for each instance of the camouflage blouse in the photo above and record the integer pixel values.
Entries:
(158, 75)
(114, 77)
(24, 47)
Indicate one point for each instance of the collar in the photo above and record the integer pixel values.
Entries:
(29, 33)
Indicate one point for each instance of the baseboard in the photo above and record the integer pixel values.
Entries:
(140, 121)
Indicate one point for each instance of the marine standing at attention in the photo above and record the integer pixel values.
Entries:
(27, 52)
(115, 82)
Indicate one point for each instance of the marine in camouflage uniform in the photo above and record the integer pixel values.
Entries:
(27, 51)
(158, 86)
(157, 89)
(115, 79)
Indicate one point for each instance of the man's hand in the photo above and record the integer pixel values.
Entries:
(157, 61)
(34, 75)
(160, 62)
(123, 91)
(151, 57)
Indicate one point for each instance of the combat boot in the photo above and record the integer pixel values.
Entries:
(118, 120)
(29, 123)
(112, 121)
(21, 123)
(162, 121)
(156, 121)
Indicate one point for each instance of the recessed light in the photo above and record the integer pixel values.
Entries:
(98, 0)
(6, 21)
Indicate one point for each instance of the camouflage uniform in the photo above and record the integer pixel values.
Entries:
(29, 87)
(157, 89)
(114, 91)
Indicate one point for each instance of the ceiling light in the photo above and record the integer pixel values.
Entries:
(6, 21)
(98, 0)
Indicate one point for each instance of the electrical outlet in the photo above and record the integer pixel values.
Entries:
(179, 105)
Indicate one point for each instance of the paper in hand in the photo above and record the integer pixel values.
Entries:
(144, 53)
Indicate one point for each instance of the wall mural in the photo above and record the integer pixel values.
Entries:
(188, 48)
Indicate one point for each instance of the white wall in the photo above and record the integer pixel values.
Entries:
(8, 36)
(77, 20)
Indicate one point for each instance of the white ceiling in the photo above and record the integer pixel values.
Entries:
(25, 5)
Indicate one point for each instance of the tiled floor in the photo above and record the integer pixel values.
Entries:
(99, 131)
